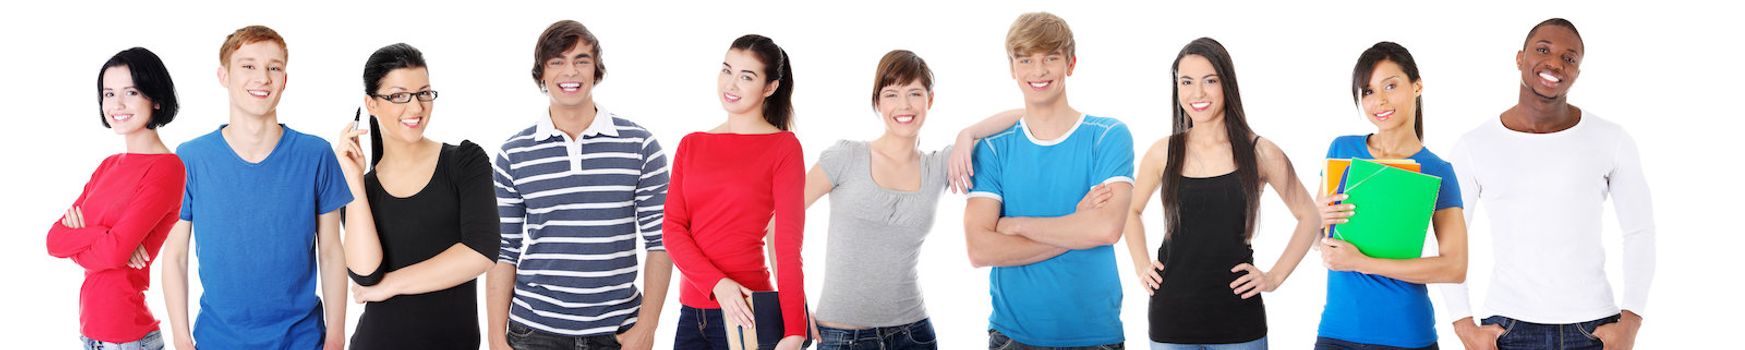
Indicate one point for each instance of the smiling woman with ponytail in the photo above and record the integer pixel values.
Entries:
(429, 225)
(726, 184)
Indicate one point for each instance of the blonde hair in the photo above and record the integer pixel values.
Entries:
(249, 35)
(1039, 32)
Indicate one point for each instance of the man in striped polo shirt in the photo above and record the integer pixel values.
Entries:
(574, 191)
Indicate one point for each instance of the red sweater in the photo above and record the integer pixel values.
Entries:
(723, 191)
(131, 200)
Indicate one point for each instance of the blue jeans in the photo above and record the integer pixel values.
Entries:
(1527, 335)
(999, 341)
(700, 329)
(1325, 343)
(916, 336)
(151, 341)
(1257, 344)
(522, 337)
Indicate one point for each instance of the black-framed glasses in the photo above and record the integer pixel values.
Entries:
(404, 97)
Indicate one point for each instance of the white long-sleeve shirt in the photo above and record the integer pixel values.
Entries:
(1543, 194)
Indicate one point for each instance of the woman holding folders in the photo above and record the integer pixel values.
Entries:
(1382, 303)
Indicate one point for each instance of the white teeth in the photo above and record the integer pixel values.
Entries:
(1548, 77)
(569, 86)
(122, 117)
(1200, 105)
(411, 121)
(905, 120)
(730, 97)
(1040, 84)
(1384, 114)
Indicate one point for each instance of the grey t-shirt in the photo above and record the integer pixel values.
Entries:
(875, 239)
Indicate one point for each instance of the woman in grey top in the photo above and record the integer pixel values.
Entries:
(885, 192)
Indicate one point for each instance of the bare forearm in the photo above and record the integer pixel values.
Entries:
(657, 275)
(175, 270)
(458, 264)
(363, 248)
(333, 285)
(1082, 230)
(1135, 236)
(499, 286)
(992, 249)
(1436, 269)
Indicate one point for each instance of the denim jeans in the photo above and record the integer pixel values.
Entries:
(1257, 344)
(700, 329)
(1325, 343)
(522, 337)
(998, 341)
(151, 341)
(913, 336)
(1527, 335)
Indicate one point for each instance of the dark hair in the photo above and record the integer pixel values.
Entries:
(385, 60)
(150, 77)
(778, 108)
(1387, 51)
(1242, 139)
(563, 36)
(900, 67)
(1554, 22)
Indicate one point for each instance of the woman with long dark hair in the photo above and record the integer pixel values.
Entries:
(727, 185)
(1205, 289)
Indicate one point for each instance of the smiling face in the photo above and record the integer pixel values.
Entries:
(743, 83)
(1390, 98)
(1042, 75)
(1550, 62)
(569, 78)
(1199, 89)
(402, 121)
(255, 77)
(124, 106)
(904, 108)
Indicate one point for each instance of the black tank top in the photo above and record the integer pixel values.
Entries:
(1195, 304)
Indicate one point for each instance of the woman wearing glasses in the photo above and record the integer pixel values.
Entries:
(429, 225)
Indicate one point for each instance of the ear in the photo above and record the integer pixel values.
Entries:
(770, 89)
(223, 76)
(370, 105)
(930, 96)
(1418, 88)
(1521, 60)
(1071, 64)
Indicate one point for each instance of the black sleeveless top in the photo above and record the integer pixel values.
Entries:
(1195, 304)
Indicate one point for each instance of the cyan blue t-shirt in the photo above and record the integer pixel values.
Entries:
(1374, 309)
(1073, 299)
(254, 236)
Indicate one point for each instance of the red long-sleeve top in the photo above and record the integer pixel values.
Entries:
(132, 200)
(723, 191)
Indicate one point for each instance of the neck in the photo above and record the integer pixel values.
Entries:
(399, 151)
(1537, 114)
(249, 129)
(1210, 131)
(751, 122)
(1394, 143)
(145, 141)
(573, 119)
(1048, 120)
(895, 146)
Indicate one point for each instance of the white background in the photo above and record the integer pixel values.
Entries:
(1665, 71)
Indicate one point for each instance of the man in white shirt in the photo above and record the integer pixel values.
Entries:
(1543, 170)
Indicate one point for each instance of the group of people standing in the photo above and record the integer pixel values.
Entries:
(553, 218)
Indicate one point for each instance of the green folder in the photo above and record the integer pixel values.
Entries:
(1393, 209)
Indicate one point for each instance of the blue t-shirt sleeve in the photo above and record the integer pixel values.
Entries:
(331, 190)
(1449, 195)
(988, 169)
(1114, 154)
(187, 212)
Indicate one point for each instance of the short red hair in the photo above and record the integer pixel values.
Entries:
(249, 35)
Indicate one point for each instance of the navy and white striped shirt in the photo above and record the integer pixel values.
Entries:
(571, 211)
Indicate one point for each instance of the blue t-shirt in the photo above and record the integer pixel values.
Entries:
(1378, 310)
(254, 235)
(1073, 299)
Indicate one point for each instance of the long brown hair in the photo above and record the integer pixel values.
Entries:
(1235, 126)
